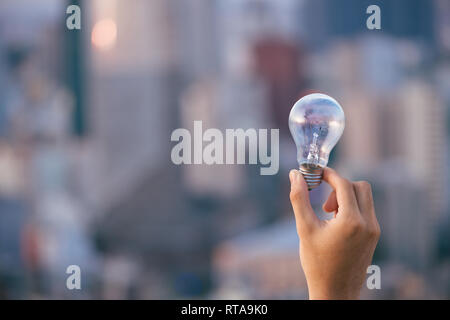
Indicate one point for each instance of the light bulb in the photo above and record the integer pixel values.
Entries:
(316, 123)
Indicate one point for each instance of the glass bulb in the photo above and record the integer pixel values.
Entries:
(316, 123)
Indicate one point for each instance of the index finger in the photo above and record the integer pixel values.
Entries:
(345, 194)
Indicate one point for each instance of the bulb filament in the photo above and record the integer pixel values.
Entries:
(313, 156)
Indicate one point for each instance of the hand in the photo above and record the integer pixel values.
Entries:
(335, 253)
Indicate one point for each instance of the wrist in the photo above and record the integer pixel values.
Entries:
(329, 294)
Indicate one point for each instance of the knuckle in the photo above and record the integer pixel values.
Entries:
(294, 195)
(375, 231)
(354, 226)
(364, 185)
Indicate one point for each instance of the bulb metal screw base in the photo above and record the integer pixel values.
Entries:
(312, 174)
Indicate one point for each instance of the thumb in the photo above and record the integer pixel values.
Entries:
(305, 217)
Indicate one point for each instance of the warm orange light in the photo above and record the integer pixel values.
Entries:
(104, 34)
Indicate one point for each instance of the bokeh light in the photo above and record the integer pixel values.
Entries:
(104, 34)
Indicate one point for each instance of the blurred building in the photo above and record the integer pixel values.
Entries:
(128, 93)
(260, 265)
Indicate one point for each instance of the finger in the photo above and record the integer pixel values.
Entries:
(345, 193)
(305, 217)
(331, 204)
(363, 192)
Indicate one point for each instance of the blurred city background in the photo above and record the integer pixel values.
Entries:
(86, 116)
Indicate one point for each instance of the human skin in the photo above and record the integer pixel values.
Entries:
(335, 253)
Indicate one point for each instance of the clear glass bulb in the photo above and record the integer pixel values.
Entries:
(316, 123)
